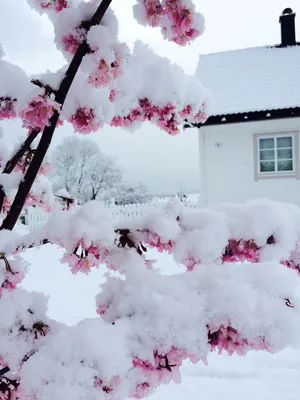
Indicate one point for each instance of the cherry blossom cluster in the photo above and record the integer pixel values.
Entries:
(163, 369)
(40, 195)
(167, 117)
(56, 5)
(294, 260)
(104, 64)
(241, 250)
(85, 121)
(177, 18)
(84, 258)
(7, 110)
(71, 41)
(105, 71)
(38, 113)
(228, 339)
(12, 273)
(49, 6)
(72, 28)
(104, 89)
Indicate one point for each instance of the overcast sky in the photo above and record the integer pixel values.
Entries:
(165, 164)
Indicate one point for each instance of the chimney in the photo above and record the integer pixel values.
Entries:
(288, 31)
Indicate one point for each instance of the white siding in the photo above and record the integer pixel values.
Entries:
(229, 164)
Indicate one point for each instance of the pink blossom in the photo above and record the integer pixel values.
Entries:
(109, 386)
(112, 94)
(294, 260)
(186, 111)
(119, 121)
(200, 117)
(83, 258)
(84, 121)
(38, 113)
(142, 390)
(228, 339)
(168, 119)
(102, 75)
(154, 240)
(55, 5)
(11, 277)
(177, 19)
(163, 369)
(71, 41)
(45, 168)
(38, 200)
(190, 263)
(80, 264)
(105, 73)
(7, 110)
(181, 27)
(153, 12)
(101, 309)
(241, 250)
(12, 281)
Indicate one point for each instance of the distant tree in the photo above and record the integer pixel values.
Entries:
(127, 193)
(82, 169)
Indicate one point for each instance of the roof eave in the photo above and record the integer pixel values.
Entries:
(247, 117)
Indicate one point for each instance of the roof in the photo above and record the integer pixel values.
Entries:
(253, 79)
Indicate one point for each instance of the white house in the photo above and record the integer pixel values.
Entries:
(250, 147)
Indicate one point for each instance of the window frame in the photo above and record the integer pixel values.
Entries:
(295, 154)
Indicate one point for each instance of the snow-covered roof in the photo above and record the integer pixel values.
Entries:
(253, 79)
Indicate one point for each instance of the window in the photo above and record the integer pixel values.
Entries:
(276, 155)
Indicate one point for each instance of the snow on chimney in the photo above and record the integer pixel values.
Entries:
(288, 31)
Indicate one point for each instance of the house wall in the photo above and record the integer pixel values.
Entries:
(227, 164)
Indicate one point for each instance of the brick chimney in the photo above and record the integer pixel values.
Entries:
(288, 31)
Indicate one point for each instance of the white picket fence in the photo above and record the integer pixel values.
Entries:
(35, 218)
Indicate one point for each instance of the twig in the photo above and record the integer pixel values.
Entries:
(32, 171)
(48, 89)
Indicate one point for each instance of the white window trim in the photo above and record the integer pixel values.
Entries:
(276, 174)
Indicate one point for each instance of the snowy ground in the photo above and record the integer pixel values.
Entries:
(258, 376)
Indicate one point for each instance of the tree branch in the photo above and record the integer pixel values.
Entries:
(10, 165)
(4, 370)
(123, 240)
(32, 171)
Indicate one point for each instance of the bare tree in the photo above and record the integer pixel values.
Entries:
(82, 169)
(127, 193)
